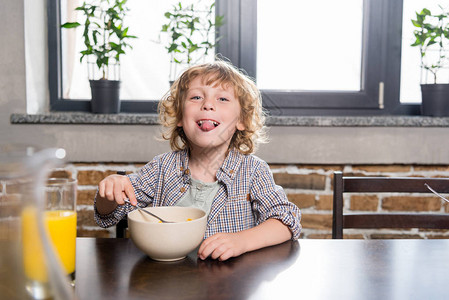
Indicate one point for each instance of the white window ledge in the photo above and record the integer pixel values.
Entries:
(306, 121)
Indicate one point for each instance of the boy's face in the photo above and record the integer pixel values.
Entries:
(210, 115)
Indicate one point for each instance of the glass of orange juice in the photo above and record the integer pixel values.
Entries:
(59, 218)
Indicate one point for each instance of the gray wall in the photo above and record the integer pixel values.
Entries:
(137, 143)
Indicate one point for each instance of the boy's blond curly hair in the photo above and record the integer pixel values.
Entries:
(216, 73)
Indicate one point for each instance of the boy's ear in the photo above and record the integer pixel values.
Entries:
(240, 126)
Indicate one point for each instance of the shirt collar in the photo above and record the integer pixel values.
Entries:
(225, 173)
(230, 166)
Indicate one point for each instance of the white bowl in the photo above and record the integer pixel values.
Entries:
(167, 241)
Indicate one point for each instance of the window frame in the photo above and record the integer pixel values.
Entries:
(380, 63)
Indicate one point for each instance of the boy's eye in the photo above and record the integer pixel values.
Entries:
(195, 98)
(223, 99)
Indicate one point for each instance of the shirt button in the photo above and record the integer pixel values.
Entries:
(182, 190)
(187, 171)
(231, 171)
(181, 169)
(248, 197)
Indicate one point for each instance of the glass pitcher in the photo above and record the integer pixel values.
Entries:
(23, 173)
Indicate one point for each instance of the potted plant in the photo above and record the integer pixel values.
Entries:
(432, 38)
(190, 32)
(105, 39)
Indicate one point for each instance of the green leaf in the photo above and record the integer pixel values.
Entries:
(193, 48)
(94, 36)
(172, 48)
(175, 35)
(70, 25)
(219, 21)
(416, 23)
(426, 12)
(416, 43)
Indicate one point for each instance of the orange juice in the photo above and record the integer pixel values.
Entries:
(61, 226)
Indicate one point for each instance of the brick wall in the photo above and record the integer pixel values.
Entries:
(308, 186)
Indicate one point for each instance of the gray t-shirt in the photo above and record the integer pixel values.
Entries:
(200, 195)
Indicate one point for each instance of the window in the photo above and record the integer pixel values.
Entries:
(375, 24)
(303, 52)
(356, 72)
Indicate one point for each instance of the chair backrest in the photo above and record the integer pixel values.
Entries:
(122, 226)
(344, 184)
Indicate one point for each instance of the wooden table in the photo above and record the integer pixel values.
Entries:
(308, 269)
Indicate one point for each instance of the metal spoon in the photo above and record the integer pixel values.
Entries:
(435, 192)
(146, 211)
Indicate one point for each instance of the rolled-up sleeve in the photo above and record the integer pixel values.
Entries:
(270, 201)
(112, 218)
(143, 183)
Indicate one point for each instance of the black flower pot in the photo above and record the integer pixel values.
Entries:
(105, 96)
(435, 100)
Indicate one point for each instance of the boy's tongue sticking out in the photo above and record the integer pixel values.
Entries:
(207, 125)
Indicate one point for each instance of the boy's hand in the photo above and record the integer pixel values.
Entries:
(222, 246)
(225, 245)
(116, 188)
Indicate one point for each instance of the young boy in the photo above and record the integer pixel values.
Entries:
(214, 120)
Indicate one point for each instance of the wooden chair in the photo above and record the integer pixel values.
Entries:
(343, 185)
(122, 226)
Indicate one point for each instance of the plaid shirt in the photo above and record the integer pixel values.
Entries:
(247, 196)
